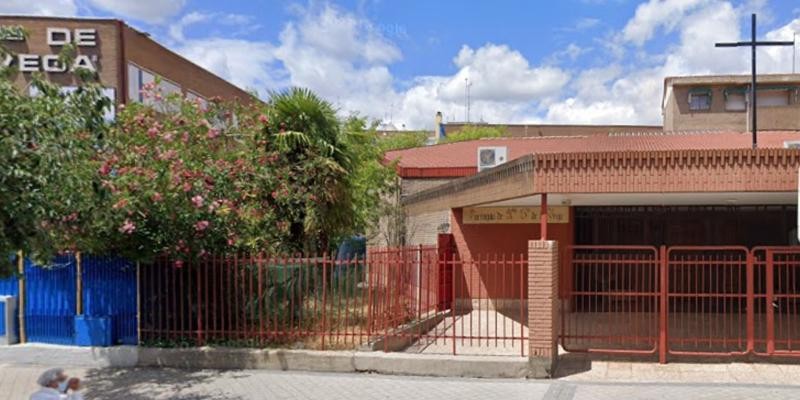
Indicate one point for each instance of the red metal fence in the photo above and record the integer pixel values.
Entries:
(683, 300)
(415, 299)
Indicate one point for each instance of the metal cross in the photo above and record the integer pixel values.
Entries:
(753, 43)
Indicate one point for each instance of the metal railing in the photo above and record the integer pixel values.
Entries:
(412, 299)
(681, 300)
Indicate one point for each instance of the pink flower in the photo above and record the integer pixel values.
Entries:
(213, 133)
(197, 201)
(127, 227)
(156, 197)
(187, 186)
(168, 137)
(178, 263)
(263, 119)
(152, 133)
(185, 137)
(104, 170)
(201, 225)
(168, 155)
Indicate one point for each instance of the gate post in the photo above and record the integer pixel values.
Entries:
(543, 307)
(23, 337)
(664, 303)
(770, 307)
(78, 284)
(445, 251)
(750, 302)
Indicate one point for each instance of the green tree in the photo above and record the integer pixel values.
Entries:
(474, 132)
(46, 185)
(402, 140)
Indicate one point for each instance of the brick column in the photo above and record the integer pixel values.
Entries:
(543, 322)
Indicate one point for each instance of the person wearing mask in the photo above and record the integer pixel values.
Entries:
(57, 386)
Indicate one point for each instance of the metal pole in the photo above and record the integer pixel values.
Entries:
(794, 52)
(78, 284)
(23, 337)
(753, 85)
(138, 304)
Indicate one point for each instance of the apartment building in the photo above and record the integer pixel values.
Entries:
(721, 102)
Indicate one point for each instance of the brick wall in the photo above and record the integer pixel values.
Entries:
(424, 228)
(106, 52)
(678, 116)
(411, 186)
(150, 55)
(485, 241)
(543, 323)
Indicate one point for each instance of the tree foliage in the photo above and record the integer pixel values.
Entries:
(181, 177)
(474, 132)
(403, 140)
(46, 191)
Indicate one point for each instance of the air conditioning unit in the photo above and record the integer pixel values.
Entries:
(490, 157)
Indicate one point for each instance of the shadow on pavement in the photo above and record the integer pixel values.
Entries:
(141, 384)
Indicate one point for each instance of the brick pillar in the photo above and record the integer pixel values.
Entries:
(543, 322)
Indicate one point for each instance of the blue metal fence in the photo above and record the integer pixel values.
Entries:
(109, 290)
(50, 301)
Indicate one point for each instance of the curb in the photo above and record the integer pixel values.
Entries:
(269, 359)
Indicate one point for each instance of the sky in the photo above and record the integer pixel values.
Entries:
(560, 62)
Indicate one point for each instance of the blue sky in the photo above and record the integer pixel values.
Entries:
(568, 61)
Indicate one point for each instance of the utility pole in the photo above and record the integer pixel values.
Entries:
(753, 44)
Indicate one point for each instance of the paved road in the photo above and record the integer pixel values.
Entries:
(16, 382)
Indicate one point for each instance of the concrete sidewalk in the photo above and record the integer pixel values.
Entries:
(17, 382)
(572, 368)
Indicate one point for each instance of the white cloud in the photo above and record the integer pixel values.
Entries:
(348, 60)
(655, 14)
(631, 92)
(247, 64)
(151, 11)
(39, 7)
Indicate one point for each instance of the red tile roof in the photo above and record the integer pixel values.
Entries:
(460, 159)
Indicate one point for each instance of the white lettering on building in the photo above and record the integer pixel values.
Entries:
(50, 63)
(28, 62)
(55, 36)
(86, 37)
(58, 36)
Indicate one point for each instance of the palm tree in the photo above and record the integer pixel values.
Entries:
(307, 127)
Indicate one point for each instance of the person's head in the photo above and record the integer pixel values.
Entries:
(52, 378)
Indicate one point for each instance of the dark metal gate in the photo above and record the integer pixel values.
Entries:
(681, 300)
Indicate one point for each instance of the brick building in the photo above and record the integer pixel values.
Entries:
(722, 102)
(123, 58)
(611, 225)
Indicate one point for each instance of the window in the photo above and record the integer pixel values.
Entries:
(139, 78)
(109, 93)
(134, 83)
(699, 99)
(769, 97)
(192, 96)
(736, 101)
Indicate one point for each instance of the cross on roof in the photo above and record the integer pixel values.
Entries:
(753, 43)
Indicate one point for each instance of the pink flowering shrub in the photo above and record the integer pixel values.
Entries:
(225, 178)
